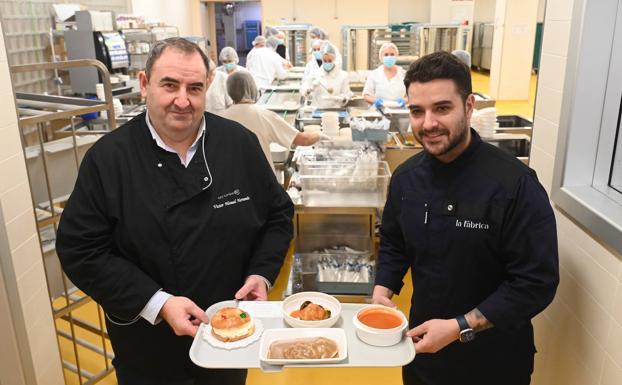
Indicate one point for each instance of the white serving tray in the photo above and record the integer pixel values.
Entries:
(359, 353)
(272, 335)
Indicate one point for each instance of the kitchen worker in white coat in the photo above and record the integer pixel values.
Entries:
(216, 98)
(266, 65)
(229, 59)
(315, 61)
(329, 87)
(386, 83)
(267, 125)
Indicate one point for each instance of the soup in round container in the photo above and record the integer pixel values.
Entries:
(380, 325)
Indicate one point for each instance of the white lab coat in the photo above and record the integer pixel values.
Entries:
(321, 82)
(310, 68)
(267, 125)
(379, 86)
(265, 65)
(216, 98)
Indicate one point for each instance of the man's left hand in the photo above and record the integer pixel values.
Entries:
(253, 290)
(433, 335)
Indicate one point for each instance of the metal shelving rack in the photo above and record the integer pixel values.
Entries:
(296, 42)
(39, 110)
(413, 41)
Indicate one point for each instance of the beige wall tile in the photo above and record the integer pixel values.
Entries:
(16, 201)
(552, 71)
(599, 283)
(559, 10)
(13, 172)
(7, 108)
(549, 104)
(21, 229)
(588, 324)
(617, 306)
(543, 164)
(31, 283)
(614, 345)
(545, 135)
(35, 309)
(10, 143)
(52, 375)
(26, 255)
(556, 37)
(612, 373)
(602, 255)
(43, 344)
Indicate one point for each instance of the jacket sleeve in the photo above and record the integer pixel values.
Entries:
(87, 254)
(271, 245)
(392, 262)
(529, 242)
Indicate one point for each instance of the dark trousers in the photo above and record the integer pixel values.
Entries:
(199, 376)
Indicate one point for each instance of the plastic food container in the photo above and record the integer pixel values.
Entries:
(293, 302)
(380, 336)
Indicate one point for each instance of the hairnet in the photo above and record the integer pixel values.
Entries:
(318, 32)
(272, 42)
(271, 31)
(259, 40)
(316, 43)
(328, 49)
(386, 46)
(464, 56)
(241, 87)
(228, 53)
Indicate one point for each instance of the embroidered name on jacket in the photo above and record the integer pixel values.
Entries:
(467, 224)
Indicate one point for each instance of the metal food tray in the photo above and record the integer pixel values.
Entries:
(360, 354)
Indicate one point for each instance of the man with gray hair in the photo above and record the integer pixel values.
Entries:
(159, 205)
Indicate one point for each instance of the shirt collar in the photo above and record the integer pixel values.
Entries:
(160, 142)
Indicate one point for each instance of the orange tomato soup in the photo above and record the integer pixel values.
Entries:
(380, 319)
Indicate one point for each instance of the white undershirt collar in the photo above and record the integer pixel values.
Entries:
(191, 150)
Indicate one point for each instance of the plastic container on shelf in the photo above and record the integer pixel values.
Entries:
(344, 184)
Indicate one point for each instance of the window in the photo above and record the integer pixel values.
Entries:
(587, 182)
(615, 178)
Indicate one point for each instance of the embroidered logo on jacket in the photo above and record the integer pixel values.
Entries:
(468, 224)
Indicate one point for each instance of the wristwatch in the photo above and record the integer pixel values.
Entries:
(466, 333)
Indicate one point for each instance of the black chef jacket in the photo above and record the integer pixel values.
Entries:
(476, 232)
(138, 221)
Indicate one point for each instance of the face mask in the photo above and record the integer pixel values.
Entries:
(317, 55)
(328, 66)
(389, 61)
(229, 66)
(281, 42)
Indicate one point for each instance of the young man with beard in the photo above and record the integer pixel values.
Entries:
(476, 229)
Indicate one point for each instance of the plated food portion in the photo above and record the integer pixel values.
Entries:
(311, 309)
(303, 346)
(380, 325)
(232, 324)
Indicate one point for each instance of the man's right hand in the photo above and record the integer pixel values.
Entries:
(183, 316)
(382, 296)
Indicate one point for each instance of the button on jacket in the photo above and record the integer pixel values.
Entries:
(476, 232)
(139, 221)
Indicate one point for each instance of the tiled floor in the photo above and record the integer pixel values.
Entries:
(358, 376)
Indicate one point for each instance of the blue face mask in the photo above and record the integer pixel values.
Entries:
(389, 61)
(328, 66)
(281, 42)
(229, 66)
(317, 55)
